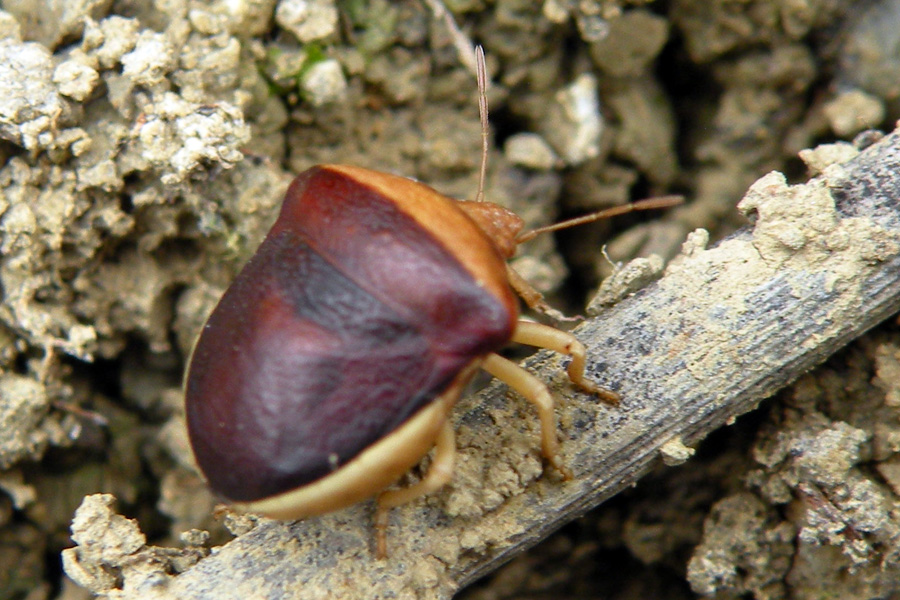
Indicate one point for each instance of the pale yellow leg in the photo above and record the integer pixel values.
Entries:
(439, 473)
(533, 298)
(544, 336)
(534, 390)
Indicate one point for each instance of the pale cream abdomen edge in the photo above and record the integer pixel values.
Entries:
(376, 468)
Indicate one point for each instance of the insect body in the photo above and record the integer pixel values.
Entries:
(329, 366)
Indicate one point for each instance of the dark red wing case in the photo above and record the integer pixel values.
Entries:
(348, 319)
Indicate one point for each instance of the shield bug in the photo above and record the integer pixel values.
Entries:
(329, 366)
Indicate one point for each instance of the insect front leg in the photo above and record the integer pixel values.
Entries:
(544, 336)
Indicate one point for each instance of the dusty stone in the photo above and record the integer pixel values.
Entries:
(821, 157)
(625, 280)
(324, 83)
(110, 39)
(152, 58)
(251, 17)
(575, 127)
(30, 107)
(853, 111)
(674, 452)
(191, 135)
(75, 79)
(50, 22)
(308, 20)
(530, 150)
(9, 27)
(23, 404)
(631, 44)
(731, 556)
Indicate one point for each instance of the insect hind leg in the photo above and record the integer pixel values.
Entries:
(438, 474)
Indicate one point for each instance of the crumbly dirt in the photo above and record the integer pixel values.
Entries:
(144, 151)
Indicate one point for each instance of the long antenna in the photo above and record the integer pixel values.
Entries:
(481, 78)
(648, 204)
(460, 41)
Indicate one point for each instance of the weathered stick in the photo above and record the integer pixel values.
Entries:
(722, 330)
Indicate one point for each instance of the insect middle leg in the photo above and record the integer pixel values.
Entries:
(534, 390)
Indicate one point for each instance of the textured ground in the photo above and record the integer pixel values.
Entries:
(144, 150)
